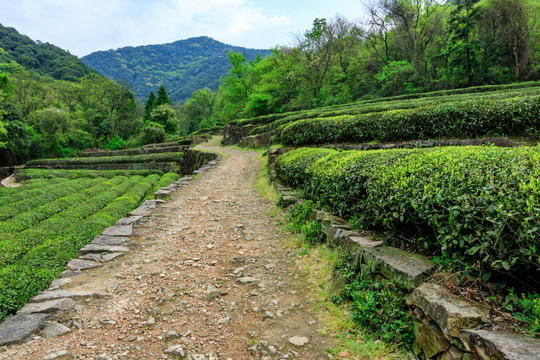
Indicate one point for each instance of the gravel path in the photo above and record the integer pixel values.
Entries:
(210, 278)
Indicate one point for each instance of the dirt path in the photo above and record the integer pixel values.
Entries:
(210, 274)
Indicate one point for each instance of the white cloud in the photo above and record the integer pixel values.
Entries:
(84, 26)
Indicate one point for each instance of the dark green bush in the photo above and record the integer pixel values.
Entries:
(475, 204)
(25, 174)
(147, 158)
(516, 116)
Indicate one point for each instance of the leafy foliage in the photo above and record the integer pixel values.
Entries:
(477, 205)
(465, 119)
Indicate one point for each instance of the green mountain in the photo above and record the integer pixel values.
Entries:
(182, 67)
(43, 58)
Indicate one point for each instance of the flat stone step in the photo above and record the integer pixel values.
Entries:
(118, 230)
(106, 240)
(79, 264)
(163, 194)
(451, 312)
(146, 207)
(60, 294)
(491, 345)
(128, 220)
(94, 248)
(406, 269)
(18, 327)
(50, 306)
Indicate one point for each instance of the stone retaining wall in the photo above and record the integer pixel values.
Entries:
(448, 327)
(131, 152)
(232, 134)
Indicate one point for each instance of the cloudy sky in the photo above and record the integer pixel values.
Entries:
(85, 26)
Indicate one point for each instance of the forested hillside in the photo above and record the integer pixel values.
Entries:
(400, 47)
(43, 58)
(52, 104)
(182, 67)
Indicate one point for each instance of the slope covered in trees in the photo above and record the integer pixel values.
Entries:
(182, 67)
(400, 47)
(51, 104)
(43, 58)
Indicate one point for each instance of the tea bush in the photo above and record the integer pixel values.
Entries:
(478, 205)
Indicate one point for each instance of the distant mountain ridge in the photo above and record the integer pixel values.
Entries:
(182, 66)
(42, 58)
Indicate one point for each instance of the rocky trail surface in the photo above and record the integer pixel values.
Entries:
(210, 278)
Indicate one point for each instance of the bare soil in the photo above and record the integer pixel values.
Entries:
(211, 273)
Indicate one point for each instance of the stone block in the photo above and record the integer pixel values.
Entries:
(365, 242)
(60, 294)
(50, 306)
(490, 345)
(430, 339)
(406, 269)
(163, 194)
(105, 240)
(118, 230)
(54, 329)
(93, 248)
(128, 220)
(79, 264)
(451, 312)
(18, 327)
(111, 256)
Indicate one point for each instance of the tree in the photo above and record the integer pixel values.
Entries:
(149, 105)
(464, 46)
(165, 116)
(162, 97)
(198, 111)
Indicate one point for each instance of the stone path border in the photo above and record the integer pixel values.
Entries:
(448, 327)
(112, 243)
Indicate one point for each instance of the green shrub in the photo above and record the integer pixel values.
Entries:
(33, 272)
(474, 204)
(147, 158)
(516, 116)
(25, 174)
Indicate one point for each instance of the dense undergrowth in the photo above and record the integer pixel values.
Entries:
(376, 306)
(477, 206)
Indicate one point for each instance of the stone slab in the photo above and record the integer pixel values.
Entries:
(128, 220)
(79, 264)
(406, 269)
(18, 327)
(365, 242)
(163, 194)
(111, 256)
(118, 230)
(56, 283)
(451, 312)
(492, 345)
(430, 339)
(71, 273)
(60, 294)
(106, 240)
(54, 329)
(146, 207)
(93, 248)
(91, 256)
(50, 306)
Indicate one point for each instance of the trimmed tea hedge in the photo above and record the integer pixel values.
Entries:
(476, 204)
(36, 245)
(147, 158)
(516, 116)
(388, 105)
(25, 174)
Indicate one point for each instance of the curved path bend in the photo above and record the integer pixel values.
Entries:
(210, 277)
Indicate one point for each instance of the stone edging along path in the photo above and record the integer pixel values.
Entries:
(448, 327)
(111, 244)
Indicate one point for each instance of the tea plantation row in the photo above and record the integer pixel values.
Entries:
(45, 222)
(473, 205)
